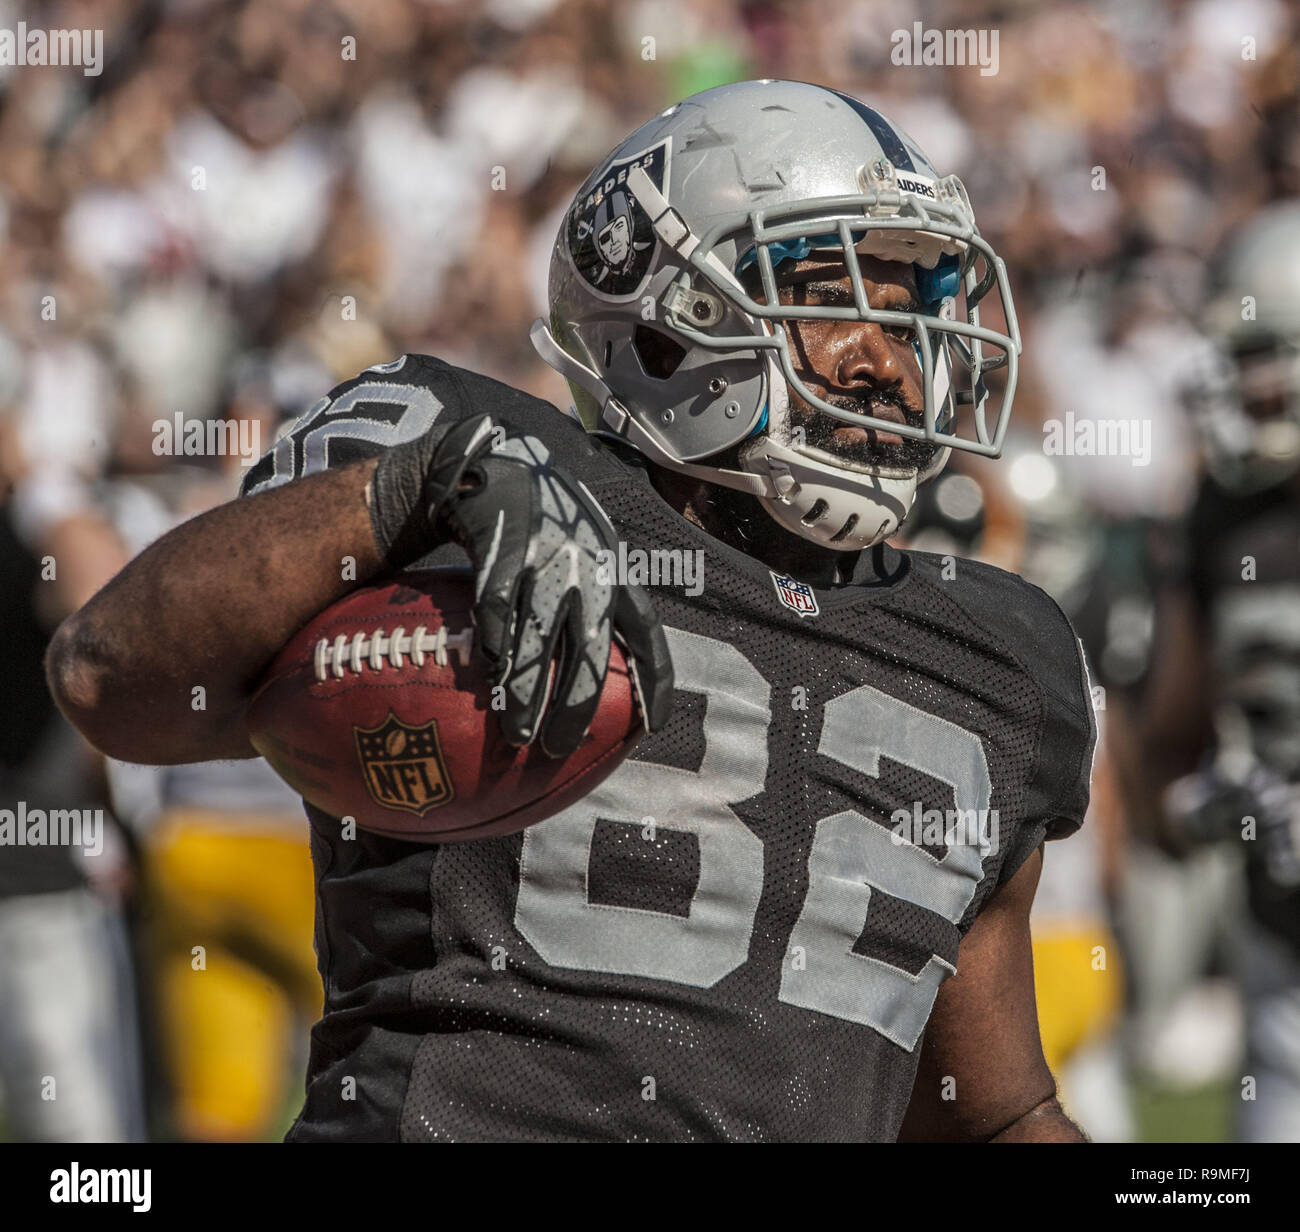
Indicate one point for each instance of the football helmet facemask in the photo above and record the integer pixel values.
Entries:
(664, 347)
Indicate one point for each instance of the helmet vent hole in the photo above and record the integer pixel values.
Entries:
(815, 514)
(609, 351)
(660, 356)
(844, 530)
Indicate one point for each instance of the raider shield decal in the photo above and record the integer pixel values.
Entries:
(403, 765)
(610, 237)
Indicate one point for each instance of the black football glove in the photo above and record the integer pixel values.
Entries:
(532, 535)
(1212, 803)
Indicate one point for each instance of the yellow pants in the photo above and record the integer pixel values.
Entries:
(1078, 983)
(232, 903)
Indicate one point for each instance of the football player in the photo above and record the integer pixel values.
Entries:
(1221, 714)
(800, 909)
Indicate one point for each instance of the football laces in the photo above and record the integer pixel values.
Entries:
(378, 650)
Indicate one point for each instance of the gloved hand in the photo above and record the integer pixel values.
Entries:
(532, 535)
(1213, 804)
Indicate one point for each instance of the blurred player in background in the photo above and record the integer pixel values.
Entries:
(216, 863)
(1221, 716)
(70, 1066)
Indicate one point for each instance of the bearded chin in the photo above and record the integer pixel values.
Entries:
(819, 433)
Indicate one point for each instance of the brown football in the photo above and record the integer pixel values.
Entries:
(402, 735)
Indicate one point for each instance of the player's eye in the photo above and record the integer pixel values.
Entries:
(818, 294)
(904, 333)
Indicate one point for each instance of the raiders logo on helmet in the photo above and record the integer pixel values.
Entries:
(610, 237)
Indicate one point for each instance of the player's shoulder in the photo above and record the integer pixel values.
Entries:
(1017, 613)
(1037, 635)
(390, 403)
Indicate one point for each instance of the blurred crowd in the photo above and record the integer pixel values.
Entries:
(254, 201)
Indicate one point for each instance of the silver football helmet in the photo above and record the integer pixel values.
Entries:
(1248, 404)
(665, 348)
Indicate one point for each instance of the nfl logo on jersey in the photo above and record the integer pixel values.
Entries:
(797, 596)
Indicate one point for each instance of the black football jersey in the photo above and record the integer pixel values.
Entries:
(739, 935)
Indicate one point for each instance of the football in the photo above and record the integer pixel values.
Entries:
(379, 709)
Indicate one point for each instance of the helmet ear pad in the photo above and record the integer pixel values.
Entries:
(694, 399)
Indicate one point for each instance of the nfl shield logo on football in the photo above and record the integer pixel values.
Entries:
(797, 596)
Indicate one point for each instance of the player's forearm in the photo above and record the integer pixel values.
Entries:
(205, 608)
(1045, 1123)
